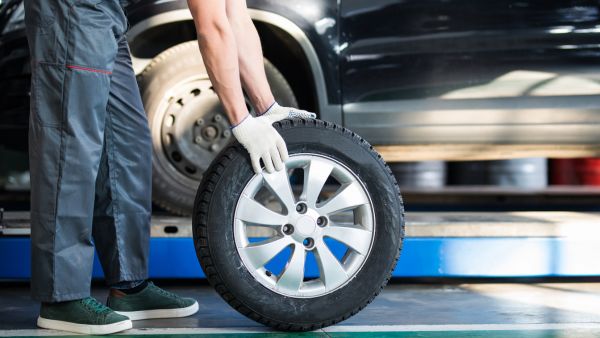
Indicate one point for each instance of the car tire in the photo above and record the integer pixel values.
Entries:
(175, 87)
(217, 221)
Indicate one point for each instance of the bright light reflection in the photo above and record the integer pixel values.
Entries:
(561, 30)
(576, 297)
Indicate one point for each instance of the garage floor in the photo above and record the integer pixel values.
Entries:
(403, 310)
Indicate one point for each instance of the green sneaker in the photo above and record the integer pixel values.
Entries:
(85, 316)
(151, 302)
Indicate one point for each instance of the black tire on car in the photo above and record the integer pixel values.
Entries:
(187, 122)
(225, 213)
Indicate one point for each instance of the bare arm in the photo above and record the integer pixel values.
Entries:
(220, 53)
(250, 55)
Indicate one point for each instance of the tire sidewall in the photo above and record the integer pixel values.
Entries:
(375, 270)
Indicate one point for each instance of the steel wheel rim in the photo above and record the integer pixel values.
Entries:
(312, 222)
(193, 127)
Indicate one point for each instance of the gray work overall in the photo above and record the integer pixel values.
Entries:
(89, 149)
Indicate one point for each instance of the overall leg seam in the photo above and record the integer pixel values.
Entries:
(112, 175)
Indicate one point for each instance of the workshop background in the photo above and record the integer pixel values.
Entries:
(488, 115)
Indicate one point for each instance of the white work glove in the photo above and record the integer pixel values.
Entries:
(277, 112)
(261, 140)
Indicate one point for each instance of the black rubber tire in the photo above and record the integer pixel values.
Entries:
(214, 241)
(171, 189)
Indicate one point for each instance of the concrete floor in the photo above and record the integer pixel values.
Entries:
(402, 310)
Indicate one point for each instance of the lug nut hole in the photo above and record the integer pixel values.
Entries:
(301, 208)
(288, 229)
(309, 243)
(176, 156)
(322, 221)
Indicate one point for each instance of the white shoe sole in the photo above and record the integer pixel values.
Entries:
(161, 313)
(52, 324)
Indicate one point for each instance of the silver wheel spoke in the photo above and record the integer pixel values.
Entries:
(249, 210)
(330, 268)
(349, 197)
(279, 184)
(293, 274)
(315, 176)
(291, 230)
(261, 253)
(354, 237)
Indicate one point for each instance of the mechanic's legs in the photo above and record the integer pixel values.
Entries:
(123, 187)
(73, 47)
(123, 204)
(250, 55)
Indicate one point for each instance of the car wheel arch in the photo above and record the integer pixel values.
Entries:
(267, 22)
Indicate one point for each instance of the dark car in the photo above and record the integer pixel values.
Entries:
(420, 79)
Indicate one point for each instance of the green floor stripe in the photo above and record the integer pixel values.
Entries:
(473, 334)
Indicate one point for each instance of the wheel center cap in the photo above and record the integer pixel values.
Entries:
(306, 225)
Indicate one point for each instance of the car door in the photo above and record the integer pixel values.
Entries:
(471, 71)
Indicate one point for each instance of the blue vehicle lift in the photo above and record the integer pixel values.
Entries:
(526, 244)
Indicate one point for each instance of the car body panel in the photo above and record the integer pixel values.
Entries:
(465, 71)
(14, 83)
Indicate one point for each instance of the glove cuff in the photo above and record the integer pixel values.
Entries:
(242, 121)
(272, 107)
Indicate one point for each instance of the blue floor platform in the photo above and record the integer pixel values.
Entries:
(421, 257)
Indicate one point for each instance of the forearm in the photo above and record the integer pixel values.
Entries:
(219, 52)
(251, 64)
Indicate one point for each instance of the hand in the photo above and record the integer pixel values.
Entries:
(261, 140)
(277, 112)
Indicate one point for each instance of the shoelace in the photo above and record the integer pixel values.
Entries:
(163, 292)
(95, 305)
